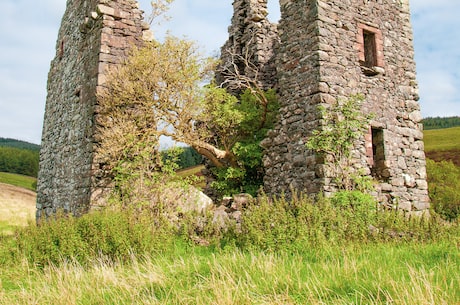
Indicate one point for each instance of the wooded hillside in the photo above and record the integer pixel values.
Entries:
(439, 123)
(19, 157)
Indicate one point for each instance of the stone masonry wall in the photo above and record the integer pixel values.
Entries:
(94, 34)
(331, 50)
(252, 38)
(287, 163)
(322, 51)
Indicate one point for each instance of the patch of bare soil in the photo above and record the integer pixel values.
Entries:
(17, 205)
(447, 155)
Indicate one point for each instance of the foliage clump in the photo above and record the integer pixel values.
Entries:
(346, 217)
(19, 161)
(342, 124)
(117, 234)
(246, 174)
(443, 181)
(111, 234)
(158, 91)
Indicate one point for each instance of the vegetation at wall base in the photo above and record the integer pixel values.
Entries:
(285, 252)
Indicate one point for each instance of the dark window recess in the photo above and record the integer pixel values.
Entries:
(61, 49)
(378, 153)
(370, 49)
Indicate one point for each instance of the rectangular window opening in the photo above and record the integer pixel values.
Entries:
(370, 49)
(378, 153)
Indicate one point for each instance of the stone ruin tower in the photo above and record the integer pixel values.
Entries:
(253, 40)
(331, 50)
(320, 52)
(94, 35)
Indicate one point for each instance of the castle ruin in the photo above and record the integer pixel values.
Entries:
(320, 52)
(328, 51)
(94, 35)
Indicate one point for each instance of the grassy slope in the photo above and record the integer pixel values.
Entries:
(18, 180)
(17, 207)
(442, 139)
(17, 201)
(443, 144)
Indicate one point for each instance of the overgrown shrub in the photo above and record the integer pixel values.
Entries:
(267, 224)
(346, 217)
(111, 234)
(443, 186)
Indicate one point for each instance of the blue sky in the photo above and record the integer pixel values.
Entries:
(28, 32)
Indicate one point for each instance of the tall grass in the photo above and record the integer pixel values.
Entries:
(339, 251)
(355, 274)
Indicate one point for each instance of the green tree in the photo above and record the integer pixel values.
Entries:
(438, 122)
(19, 161)
(158, 92)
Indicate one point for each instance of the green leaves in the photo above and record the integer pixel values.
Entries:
(342, 124)
(254, 119)
(158, 92)
(443, 181)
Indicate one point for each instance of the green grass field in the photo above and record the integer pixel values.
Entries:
(18, 180)
(361, 274)
(443, 144)
(442, 139)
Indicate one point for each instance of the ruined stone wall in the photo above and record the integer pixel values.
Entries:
(94, 34)
(325, 51)
(252, 39)
(331, 50)
(287, 163)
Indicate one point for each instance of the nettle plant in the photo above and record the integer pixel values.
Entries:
(343, 123)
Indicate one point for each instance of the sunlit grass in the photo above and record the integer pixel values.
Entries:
(18, 180)
(442, 139)
(194, 171)
(358, 274)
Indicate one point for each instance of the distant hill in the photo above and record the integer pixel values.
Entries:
(19, 157)
(6, 142)
(443, 144)
(439, 123)
(17, 207)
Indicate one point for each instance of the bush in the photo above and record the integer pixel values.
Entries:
(111, 234)
(443, 182)
(346, 217)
